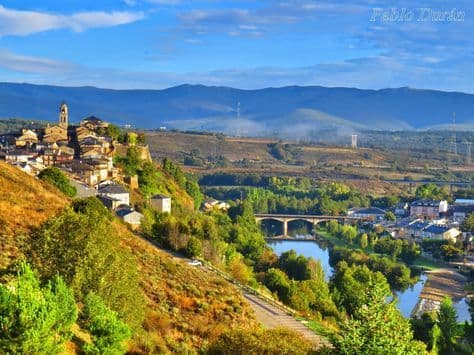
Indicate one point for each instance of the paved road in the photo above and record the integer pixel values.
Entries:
(269, 315)
(273, 317)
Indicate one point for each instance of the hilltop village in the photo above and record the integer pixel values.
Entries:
(85, 154)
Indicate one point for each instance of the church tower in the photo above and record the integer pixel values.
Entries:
(63, 116)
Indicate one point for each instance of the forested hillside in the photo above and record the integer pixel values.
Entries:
(150, 302)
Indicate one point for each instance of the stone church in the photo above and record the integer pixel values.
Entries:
(58, 133)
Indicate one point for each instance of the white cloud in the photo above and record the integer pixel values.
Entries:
(35, 65)
(23, 23)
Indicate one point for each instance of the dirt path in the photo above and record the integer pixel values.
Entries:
(273, 317)
(270, 316)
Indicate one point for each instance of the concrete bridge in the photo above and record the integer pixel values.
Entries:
(313, 219)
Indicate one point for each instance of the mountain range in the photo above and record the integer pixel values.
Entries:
(293, 111)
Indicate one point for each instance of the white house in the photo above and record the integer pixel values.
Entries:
(117, 192)
(161, 203)
(131, 217)
(441, 232)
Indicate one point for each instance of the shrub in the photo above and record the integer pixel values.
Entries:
(35, 319)
(258, 341)
(194, 247)
(55, 177)
(107, 331)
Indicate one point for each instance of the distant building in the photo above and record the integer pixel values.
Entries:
(58, 133)
(93, 123)
(131, 181)
(464, 202)
(460, 212)
(367, 213)
(161, 203)
(110, 202)
(441, 232)
(117, 192)
(27, 139)
(131, 217)
(401, 209)
(416, 228)
(211, 204)
(428, 209)
(80, 171)
(19, 155)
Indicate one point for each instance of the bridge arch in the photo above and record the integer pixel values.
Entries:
(313, 219)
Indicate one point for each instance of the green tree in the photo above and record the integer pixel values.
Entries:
(468, 224)
(447, 323)
(56, 177)
(423, 329)
(364, 240)
(450, 252)
(352, 284)
(410, 251)
(431, 191)
(194, 247)
(35, 319)
(131, 138)
(84, 248)
(377, 327)
(277, 281)
(107, 331)
(390, 216)
(113, 131)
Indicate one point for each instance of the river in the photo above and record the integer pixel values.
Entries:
(406, 299)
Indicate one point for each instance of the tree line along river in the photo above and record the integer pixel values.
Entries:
(407, 299)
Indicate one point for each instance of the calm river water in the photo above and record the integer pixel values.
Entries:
(406, 299)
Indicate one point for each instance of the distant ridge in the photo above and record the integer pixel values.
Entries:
(292, 111)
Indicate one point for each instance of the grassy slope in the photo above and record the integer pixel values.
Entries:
(187, 306)
(25, 203)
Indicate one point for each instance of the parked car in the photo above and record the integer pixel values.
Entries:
(195, 262)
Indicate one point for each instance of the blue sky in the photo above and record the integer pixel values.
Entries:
(239, 43)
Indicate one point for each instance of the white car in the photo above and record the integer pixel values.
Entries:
(195, 262)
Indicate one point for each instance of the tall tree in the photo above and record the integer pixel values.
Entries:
(447, 322)
(377, 327)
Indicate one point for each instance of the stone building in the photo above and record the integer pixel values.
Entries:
(58, 133)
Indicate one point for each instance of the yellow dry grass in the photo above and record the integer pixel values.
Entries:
(25, 203)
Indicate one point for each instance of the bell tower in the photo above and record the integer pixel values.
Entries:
(63, 116)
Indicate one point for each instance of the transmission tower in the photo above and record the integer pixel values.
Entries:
(354, 141)
(468, 153)
(238, 119)
(454, 145)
